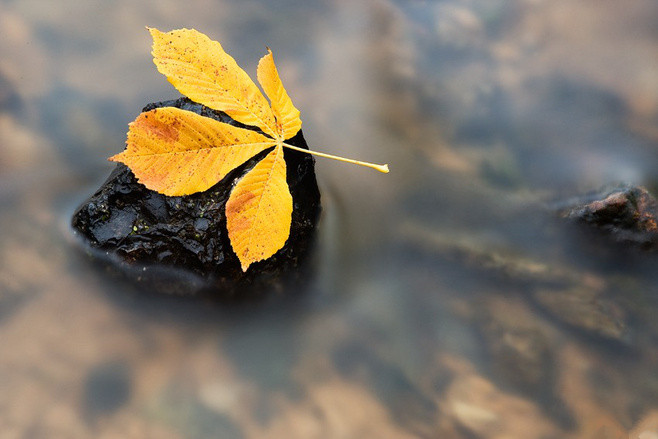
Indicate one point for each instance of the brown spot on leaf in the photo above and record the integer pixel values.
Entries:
(235, 206)
(165, 129)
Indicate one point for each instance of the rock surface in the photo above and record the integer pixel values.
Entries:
(587, 310)
(180, 244)
(628, 213)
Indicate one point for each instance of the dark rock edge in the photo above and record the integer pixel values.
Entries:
(179, 245)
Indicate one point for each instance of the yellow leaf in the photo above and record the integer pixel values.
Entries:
(178, 152)
(259, 210)
(287, 116)
(200, 69)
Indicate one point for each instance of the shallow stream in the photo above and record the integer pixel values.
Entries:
(448, 301)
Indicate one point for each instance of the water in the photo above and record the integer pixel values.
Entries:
(449, 301)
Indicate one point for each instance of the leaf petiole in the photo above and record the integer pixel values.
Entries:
(380, 168)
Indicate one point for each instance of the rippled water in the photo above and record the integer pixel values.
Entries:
(449, 300)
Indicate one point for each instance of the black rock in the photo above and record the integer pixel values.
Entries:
(180, 244)
(629, 214)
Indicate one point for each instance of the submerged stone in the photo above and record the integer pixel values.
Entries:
(180, 244)
(629, 214)
(587, 310)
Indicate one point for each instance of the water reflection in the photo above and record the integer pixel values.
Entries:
(450, 302)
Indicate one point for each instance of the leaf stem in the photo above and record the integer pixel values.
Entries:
(380, 168)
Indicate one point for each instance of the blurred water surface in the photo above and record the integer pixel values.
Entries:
(448, 302)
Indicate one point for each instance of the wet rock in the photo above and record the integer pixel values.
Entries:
(503, 265)
(181, 410)
(585, 309)
(520, 353)
(180, 244)
(628, 213)
(647, 427)
(408, 405)
(483, 410)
